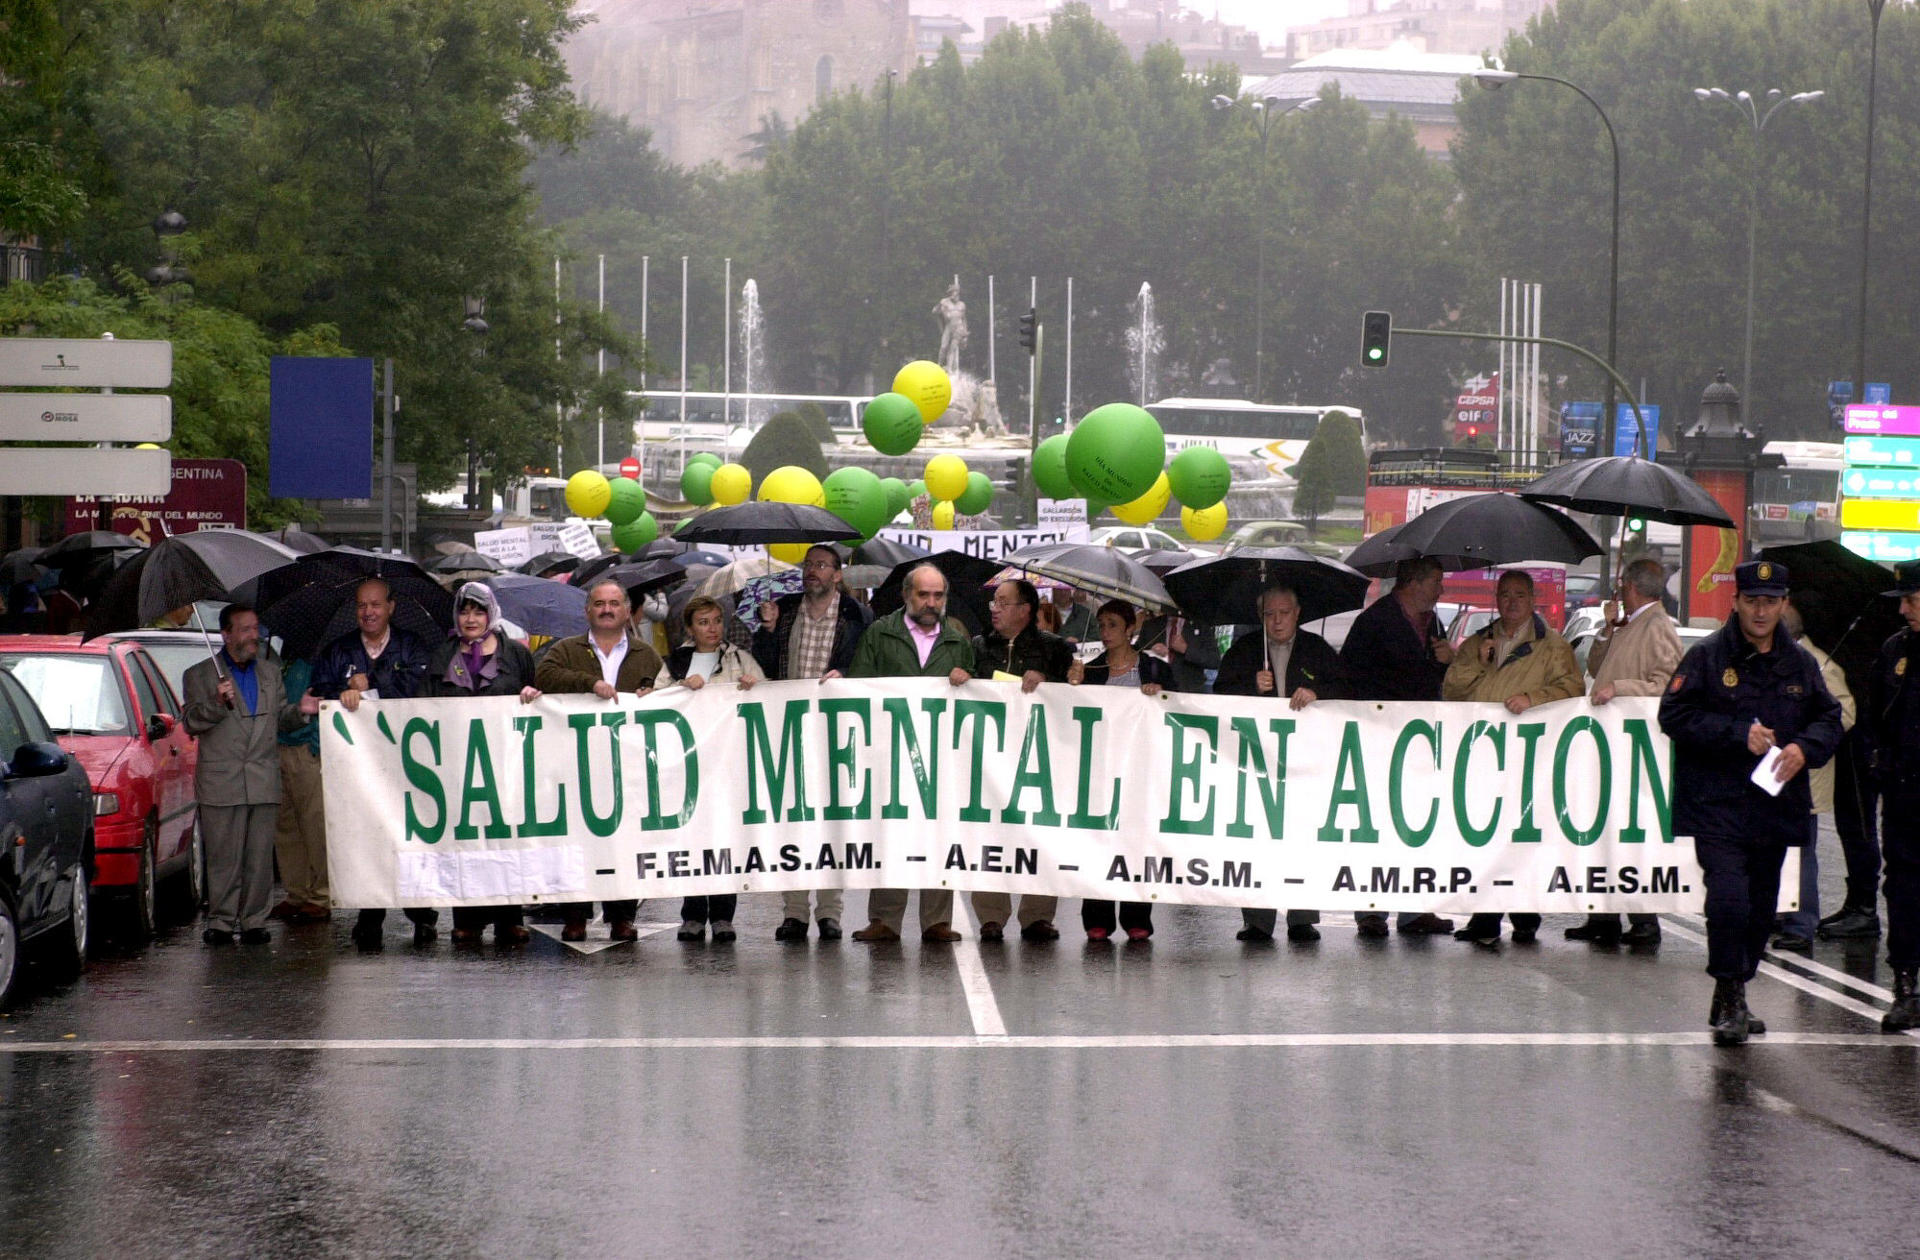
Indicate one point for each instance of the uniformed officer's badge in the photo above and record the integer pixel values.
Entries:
(1766, 575)
(1900, 667)
(1730, 679)
(1679, 681)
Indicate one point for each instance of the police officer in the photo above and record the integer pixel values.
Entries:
(1735, 699)
(1892, 722)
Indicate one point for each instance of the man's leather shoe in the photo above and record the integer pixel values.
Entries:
(940, 934)
(423, 933)
(512, 934)
(1597, 930)
(1253, 934)
(876, 931)
(1302, 933)
(722, 931)
(791, 930)
(991, 932)
(313, 912)
(1731, 1022)
(1427, 925)
(691, 931)
(1371, 925)
(623, 930)
(1641, 934)
(1852, 923)
(1755, 1025)
(1525, 935)
(285, 910)
(829, 929)
(465, 936)
(1906, 1003)
(255, 936)
(369, 937)
(1479, 936)
(575, 930)
(1787, 942)
(1040, 930)
(215, 936)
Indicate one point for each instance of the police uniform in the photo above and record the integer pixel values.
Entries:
(1740, 833)
(1892, 723)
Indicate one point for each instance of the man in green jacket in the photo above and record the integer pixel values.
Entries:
(916, 642)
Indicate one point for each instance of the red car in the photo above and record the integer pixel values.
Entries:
(110, 706)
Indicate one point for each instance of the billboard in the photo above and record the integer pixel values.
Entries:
(322, 428)
(206, 494)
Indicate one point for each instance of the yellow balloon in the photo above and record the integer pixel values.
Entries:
(730, 485)
(588, 493)
(790, 484)
(1149, 505)
(943, 515)
(927, 385)
(946, 477)
(1204, 524)
(792, 553)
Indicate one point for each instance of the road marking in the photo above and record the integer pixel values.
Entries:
(981, 1006)
(1839, 977)
(1820, 991)
(599, 935)
(1167, 1041)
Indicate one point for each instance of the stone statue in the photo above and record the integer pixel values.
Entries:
(952, 314)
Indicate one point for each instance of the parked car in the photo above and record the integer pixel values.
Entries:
(110, 706)
(1280, 534)
(1142, 538)
(173, 651)
(46, 833)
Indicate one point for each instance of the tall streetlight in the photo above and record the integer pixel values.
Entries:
(1866, 209)
(1265, 110)
(1758, 118)
(1491, 78)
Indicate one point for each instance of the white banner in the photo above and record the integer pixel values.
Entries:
(988, 544)
(511, 547)
(1082, 792)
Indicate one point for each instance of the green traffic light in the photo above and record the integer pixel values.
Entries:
(1375, 353)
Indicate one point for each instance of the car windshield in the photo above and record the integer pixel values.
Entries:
(174, 659)
(79, 694)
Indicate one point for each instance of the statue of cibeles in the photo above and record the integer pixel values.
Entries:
(952, 314)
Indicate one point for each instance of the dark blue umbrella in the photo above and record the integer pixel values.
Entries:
(540, 606)
(712, 559)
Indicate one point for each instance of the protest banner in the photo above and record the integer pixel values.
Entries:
(1085, 792)
(988, 544)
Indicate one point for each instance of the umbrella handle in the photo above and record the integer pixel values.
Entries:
(215, 658)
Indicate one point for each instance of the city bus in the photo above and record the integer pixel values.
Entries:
(724, 423)
(1800, 500)
(1273, 434)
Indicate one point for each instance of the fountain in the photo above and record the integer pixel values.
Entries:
(1145, 341)
(753, 347)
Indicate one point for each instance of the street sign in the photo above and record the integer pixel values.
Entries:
(1882, 548)
(1879, 514)
(1882, 452)
(206, 494)
(1877, 392)
(85, 470)
(630, 468)
(85, 417)
(1904, 421)
(89, 363)
(1883, 483)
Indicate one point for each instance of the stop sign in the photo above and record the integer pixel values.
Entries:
(630, 467)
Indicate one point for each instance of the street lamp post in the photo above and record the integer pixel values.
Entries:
(1758, 119)
(1492, 78)
(1874, 8)
(1265, 110)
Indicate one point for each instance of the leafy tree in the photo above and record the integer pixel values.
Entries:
(1333, 465)
(784, 439)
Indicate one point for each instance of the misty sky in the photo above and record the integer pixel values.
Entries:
(1270, 17)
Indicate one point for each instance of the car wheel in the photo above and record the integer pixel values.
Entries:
(146, 892)
(196, 869)
(9, 950)
(68, 948)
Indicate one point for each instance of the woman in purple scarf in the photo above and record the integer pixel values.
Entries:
(478, 659)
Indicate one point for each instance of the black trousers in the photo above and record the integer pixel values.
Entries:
(709, 909)
(1489, 924)
(1900, 837)
(416, 914)
(1743, 887)
(475, 918)
(1133, 914)
(1855, 816)
(615, 911)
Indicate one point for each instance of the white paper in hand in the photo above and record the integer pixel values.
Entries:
(1763, 773)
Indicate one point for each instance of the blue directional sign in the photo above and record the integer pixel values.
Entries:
(1874, 451)
(1881, 547)
(1877, 392)
(1881, 483)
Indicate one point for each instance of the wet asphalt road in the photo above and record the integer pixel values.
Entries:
(1191, 1096)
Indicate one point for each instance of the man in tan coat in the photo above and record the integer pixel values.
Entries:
(1635, 655)
(1794, 931)
(1519, 662)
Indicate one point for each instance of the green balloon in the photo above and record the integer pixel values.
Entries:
(636, 533)
(974, 499)
(628, 502)
(1116, 453)
(1050, 469)
(916, 490)
(892, 424)
(1200, 477)
(696, 484)
(857, 497)
(705, 457)
(898, 497)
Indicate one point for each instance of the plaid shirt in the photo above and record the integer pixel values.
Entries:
(810, 646)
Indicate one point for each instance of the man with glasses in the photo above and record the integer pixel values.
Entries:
(811, 633)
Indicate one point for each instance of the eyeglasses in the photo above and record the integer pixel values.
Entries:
(822, 565)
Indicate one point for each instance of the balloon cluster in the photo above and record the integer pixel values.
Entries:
(621, 502)
(894, 423)
(1116, 459)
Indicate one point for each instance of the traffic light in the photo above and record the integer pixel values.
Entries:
(1637, 525)
(1029, 328)
(1375, 332)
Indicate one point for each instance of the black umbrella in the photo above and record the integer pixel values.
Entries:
(1485, 530)
(967, 593)
(756, 523)
(309, 602)
(467, 562)
(184, 569)
(540, 606)
(1626, 485)
(591, 569)
(299, 539)
(1225, 590)
(1841, 600)
(1378, 555)
(86, 548)
(1104, 571)
(711, 559)
(22, 566)
(886, 552)
(1161, 563)
(548, 563)
(651, 575)
(663, 547)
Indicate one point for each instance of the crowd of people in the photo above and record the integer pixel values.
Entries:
(1754, 689)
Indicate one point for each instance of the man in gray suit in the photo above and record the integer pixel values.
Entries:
(237, 706)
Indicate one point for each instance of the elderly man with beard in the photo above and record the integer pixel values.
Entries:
(916, 642)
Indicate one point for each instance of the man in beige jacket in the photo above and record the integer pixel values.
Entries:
(1517, 662)
(1635, 655)
(1794, 931)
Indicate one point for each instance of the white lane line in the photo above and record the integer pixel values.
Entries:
(981, 1006)
(1175, 1041)
(1864, 987)
(1820, 991)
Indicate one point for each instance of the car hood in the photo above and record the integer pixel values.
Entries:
(97, 754)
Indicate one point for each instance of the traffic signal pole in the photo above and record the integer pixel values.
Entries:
(1555, 342)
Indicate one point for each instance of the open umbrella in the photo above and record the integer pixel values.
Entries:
(1103, 571)
(22, 567)
(309, 602)
(299, 539)
(967, 594)
(540, 606)
(548, 563)
(651, 575)
(1161, 563)
(1378, 554)
(1842, 603)
(758, 522)
(1225, 590)
(467, 562)
(863, 577)
(1626, 485)
(1484, 530)
(884, 551)
(730, 578)
(86, 548)
(177, 571)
